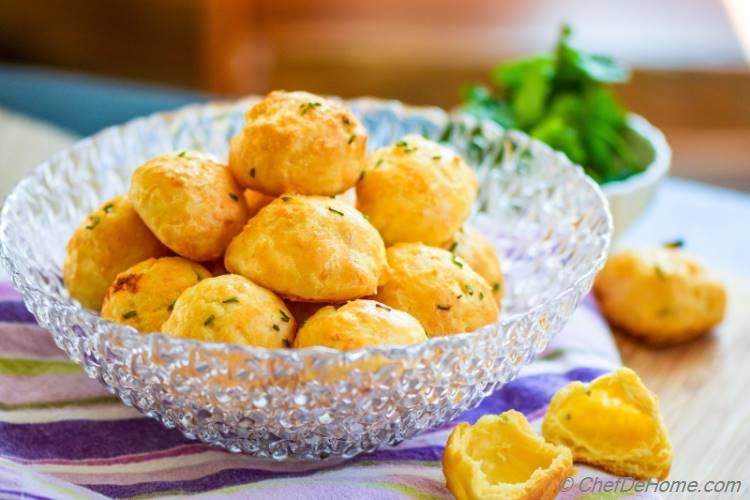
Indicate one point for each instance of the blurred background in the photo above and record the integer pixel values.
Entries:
(84, 64)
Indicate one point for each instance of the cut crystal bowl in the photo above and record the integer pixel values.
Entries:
(550, 223)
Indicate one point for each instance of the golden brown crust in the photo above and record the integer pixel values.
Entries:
(143, 295)
(416, 191)
(111, 239)
(659, 295)
(190, 202)
(437, 288)
(297, 142)
(359, 323)
(310, 248)
(613, 423)
(481, 255)
(231, 308)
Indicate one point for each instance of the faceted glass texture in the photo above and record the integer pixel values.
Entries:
(549, 221)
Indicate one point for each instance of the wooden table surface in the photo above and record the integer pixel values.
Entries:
(703, 385)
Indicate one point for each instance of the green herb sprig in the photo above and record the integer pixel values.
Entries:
(562, 99)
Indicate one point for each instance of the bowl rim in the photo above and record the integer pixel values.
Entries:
(655, 170)
(214, 109)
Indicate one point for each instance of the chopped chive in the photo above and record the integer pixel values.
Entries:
(170, 307)
(129, 314)
(678, 243)
(496, 286)
(284, 316)
(660, 273)
(345, 120)
(469, 289)
(459, 296)
(379, 162)
(588, 392)
(504, 418)
(95, 220)
(338, 212)
(436, 158)
(286, 198)
(453, 247)
(286, 343)
(351, 138)
(307, 106)
(198, 276)
(568, 416)
(276, 327)
(252, 172)
(182, 154)
(406, 147)
(443, 308)
(381, 306)
(361, 176)
(209, 320)
(234, 196)
(230, 300)
(481, 295)
(457, 262)
(108, 208)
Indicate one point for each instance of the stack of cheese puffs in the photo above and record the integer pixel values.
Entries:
(302, 240)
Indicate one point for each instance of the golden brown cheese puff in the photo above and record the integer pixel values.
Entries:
(309, 248)
(111, 239)
(416, 190)
(296, 142)
(479, 252)
(438, 288)
(659, 295)
(357, 324)
(232, 309)
(191, 203)
(614, 423)
(143, 295)
(255, 201)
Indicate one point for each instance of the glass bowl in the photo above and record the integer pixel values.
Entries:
(550, 223)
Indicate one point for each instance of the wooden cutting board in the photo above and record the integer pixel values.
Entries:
(704, 390)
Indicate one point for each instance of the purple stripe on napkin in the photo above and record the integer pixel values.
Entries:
(83, 439)
(14, 311)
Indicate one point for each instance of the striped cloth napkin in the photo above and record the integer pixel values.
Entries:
(62, 435)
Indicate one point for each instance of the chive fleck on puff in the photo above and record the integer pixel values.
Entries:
(297, 142)
(233, 309)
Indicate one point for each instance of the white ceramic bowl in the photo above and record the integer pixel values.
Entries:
(628, 198)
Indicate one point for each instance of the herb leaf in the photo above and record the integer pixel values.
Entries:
(561, 99)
